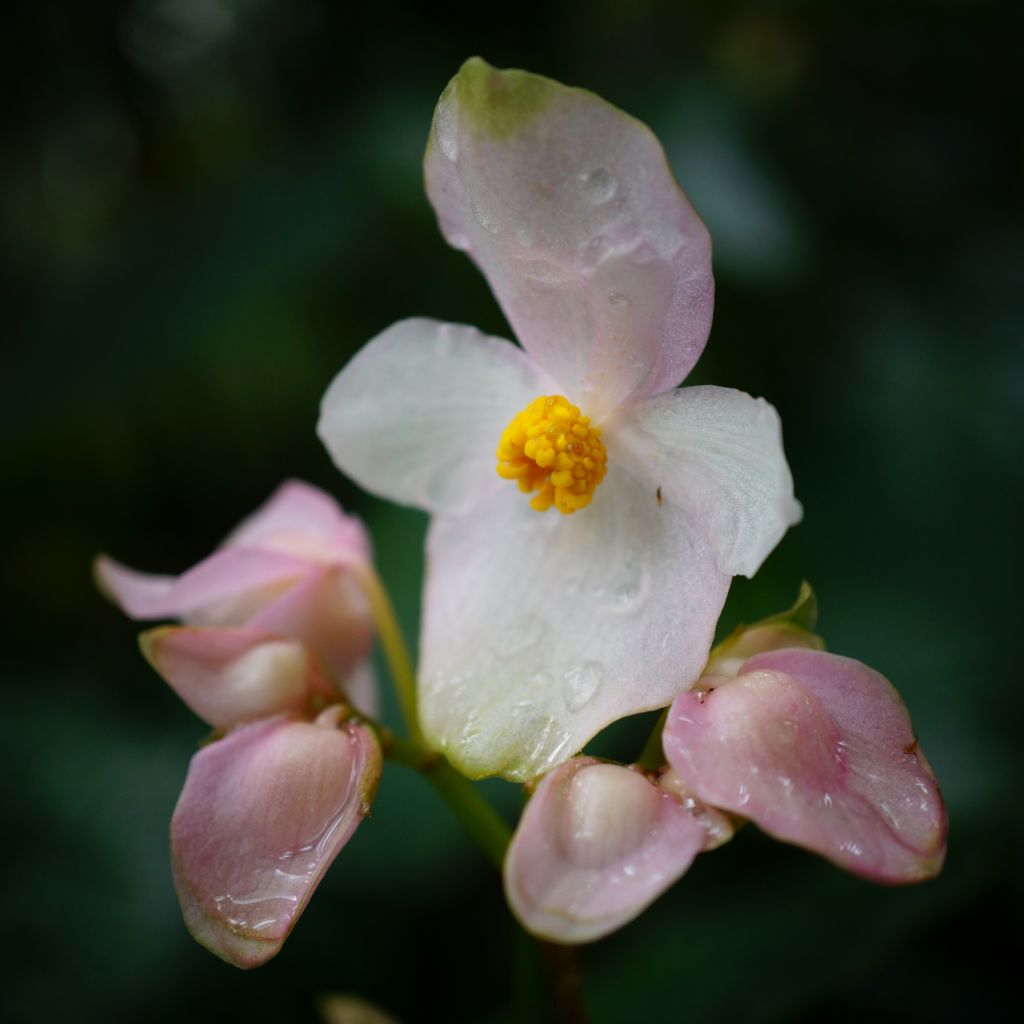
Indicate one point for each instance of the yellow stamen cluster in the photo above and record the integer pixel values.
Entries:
(551, 449)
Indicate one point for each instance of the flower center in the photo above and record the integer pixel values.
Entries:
(552, 449)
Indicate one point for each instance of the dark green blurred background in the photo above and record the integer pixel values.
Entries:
(209, 205)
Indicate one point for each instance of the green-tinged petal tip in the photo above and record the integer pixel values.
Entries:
(501, 102)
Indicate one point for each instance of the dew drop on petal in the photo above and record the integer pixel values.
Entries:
(580, 684)
(628, 595)
(599, 186)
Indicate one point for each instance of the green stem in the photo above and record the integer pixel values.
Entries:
(464, 800)
(652, 757)
(395, 651)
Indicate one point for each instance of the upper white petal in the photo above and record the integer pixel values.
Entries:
(717, 454)
(569, 208)
(540, 629)
(417, 414)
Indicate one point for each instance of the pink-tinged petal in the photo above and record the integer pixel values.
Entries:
(224, 588)
(541, 629)
(818, 751)
(263, 814)
(327, 611)
(303, 521)
(569, 208)
(717, 454)
(597, 843)
(718, 827)
(227, 675)
(416, 416)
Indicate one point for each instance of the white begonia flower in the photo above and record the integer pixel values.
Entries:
(547, 618)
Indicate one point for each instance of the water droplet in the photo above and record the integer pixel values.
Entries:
(629, 593)
(580, 684)
(598, 185)
(546, 740)
(446, 132)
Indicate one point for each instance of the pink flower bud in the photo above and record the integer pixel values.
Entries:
(818, 750)
(596, 844)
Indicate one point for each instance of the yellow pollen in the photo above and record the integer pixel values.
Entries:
(552, 449)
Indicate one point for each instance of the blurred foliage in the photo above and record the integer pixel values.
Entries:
(209, 205)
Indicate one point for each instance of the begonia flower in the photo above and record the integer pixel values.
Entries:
(269, 804)
(289, 572)
(814, 748)
(594, 593)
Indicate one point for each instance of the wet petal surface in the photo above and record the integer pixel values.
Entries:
(539, 629)
(569, 208)
(263, 814)
(818, 751)
(597, 843)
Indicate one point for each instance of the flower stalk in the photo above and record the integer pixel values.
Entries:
(483, 824)
(394, 648)
(652, 757)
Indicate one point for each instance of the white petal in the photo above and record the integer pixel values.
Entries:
(416, 416)
(569, 208)
(717, 454)
(539, 629)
